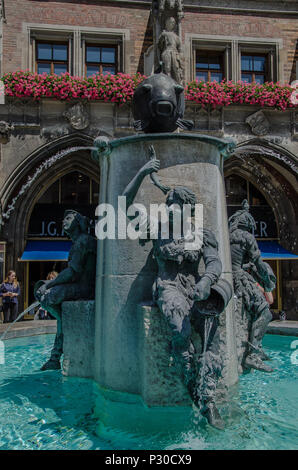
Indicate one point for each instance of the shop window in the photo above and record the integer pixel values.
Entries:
(51, 195)
(100, 59)
(256, 198)
(94, 192)
(276, 305)
(209, 66)
(254, 68)
(237, 189)
(52, 57)
(72, 191)
(75, 189)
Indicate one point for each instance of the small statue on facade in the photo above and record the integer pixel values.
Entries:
(76, 282)
(252, 307)
(5, 132)
(179, 290)
(258, 123)
(77, 116)
(169, 52)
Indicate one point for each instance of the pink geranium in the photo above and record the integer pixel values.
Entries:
(120, 88)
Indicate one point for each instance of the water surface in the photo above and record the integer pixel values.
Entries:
(45, 410)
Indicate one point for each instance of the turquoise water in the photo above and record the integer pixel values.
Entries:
(44, 410)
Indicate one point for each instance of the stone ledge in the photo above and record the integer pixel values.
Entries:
(286, 328)
(28, 328)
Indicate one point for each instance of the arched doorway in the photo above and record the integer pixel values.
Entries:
(272, 171)
(19, 228)
(239, 188)
(267, 230)
(47, 246)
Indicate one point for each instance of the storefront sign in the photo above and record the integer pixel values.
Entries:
(265, 220)
(46, 219)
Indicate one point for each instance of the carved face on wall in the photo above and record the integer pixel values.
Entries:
(77, 116)
(259, 123)
(5, 130)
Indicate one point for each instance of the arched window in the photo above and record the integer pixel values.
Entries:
(237, 189)
(72, 191)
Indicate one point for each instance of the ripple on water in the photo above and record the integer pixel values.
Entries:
(45, 410)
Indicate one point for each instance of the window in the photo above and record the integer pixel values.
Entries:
(51, 57)
(100, 59)
(209, 66)
(254, 68)
(237, 189)
(74, 190)
(81, 51)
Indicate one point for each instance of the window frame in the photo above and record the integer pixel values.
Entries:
(269, 50)
(102, 39)
(76, 36)
(255, 73)
(232, 47)
(52, 62)
(209, 53)
(209, 44)
(100, 64)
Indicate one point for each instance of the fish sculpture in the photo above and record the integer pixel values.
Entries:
(158, 105)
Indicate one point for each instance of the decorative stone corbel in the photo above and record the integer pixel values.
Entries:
(77, 116)
(258, 123)
(5, 132)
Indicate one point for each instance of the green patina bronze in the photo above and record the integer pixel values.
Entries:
(76, 282)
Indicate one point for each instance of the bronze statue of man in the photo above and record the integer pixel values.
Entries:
(76, 282)
(177, 289)
(255, 313)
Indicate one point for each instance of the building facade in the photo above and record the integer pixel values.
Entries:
(254, 41)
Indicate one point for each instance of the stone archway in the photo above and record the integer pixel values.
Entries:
(15, 229)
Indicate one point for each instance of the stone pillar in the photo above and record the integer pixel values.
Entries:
(78, 321)
(126, 270)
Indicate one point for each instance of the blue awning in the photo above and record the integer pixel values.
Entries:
(46, 250)
(273, 250)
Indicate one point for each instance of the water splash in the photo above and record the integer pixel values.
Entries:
(208, 324)
(42, 167)
(35, 304)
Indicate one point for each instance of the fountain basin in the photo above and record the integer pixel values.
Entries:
(48, 411)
